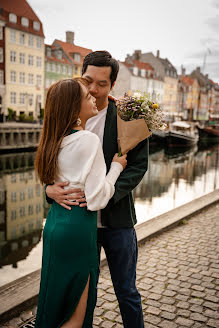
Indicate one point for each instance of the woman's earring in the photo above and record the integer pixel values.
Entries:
(78, 122)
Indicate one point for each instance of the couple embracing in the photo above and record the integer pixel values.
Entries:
(90, 188)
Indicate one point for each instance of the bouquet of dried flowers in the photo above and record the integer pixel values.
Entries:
(137, 116)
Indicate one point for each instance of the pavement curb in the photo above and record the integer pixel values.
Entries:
(22, 293)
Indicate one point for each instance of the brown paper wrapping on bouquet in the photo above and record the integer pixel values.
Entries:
(130, 133)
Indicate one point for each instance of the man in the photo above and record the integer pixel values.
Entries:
(116, 233)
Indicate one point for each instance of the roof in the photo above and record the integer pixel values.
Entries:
(55, 59)
(142, 65)
(167, 64)
(188, 80)
(69, 49)
(20, 8)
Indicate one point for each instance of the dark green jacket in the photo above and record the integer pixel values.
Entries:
(120, 211)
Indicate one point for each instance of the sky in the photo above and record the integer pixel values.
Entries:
(185, 31)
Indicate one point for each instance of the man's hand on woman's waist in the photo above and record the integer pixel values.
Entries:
(66, 197)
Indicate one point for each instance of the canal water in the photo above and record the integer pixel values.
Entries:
(174, 178)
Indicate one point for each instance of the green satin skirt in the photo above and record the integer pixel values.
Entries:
(69, 258)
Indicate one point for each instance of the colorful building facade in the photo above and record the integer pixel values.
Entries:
(24, 58)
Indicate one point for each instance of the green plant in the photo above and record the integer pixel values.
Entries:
(11, 114)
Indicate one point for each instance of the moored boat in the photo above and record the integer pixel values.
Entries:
(181, 134)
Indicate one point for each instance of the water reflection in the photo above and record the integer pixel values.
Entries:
(173, 179)
(21, 209)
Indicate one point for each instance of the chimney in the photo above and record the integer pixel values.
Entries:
(158, 53)
(206, 75)
(137, 54)
(70, 36)
(183, 70)
(198, 69)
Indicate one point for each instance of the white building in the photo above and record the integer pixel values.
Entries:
(138, 76)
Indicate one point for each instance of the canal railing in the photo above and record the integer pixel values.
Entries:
(18, 136)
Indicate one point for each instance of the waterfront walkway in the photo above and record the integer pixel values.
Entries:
(177, 276)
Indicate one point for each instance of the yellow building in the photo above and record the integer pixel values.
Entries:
(24, 58)
(170, 94)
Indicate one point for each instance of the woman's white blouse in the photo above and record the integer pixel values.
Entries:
(81, 162)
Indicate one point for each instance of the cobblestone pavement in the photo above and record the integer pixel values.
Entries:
(177, 276)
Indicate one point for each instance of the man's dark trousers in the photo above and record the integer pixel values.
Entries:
(121, 250)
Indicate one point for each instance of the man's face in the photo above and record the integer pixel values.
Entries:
(99, 82)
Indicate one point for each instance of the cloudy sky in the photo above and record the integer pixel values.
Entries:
(185, 31)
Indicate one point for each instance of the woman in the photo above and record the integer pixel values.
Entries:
(69, 153)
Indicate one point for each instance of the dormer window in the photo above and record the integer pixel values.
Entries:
(24, 21)
(48, 52)
(77, 57)
(143, 72)
(59, 54)
(12, 18)
(36, 26)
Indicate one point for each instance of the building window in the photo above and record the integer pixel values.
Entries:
(30, 176)
(36, 26)
(22, 176)
(39, 61)
(48, 52)
(30, 40)
(47, 83)
(22, 211)
(22, 38)
(13, 178)
(22, 98)
(30, 209)
(75, 70)
(2, 196)
(22, 58)
(13, 97)
(69, 70)
(59, 54)
(64, 69)
(58, 68)
(1, 55)
(39, 101)
(53, 67)
(39, 43)
(12, 36)
(38, 208)
(31, 99)
(12, 18)
(77, 57)
(30, 78)
(13, 215)
(13, 76)
(30, 225)
(24, 21)
(12, 56)
(30, 60)
(39, 80)
(1, 33)
(22, 195)
(30, 192)
(1, 77)
(22, 77)
(13, 196)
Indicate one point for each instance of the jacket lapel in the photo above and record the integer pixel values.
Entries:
(110, 134)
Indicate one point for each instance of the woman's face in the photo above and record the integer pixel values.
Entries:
(88, 105)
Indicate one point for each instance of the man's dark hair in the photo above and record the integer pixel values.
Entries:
(102, 59)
